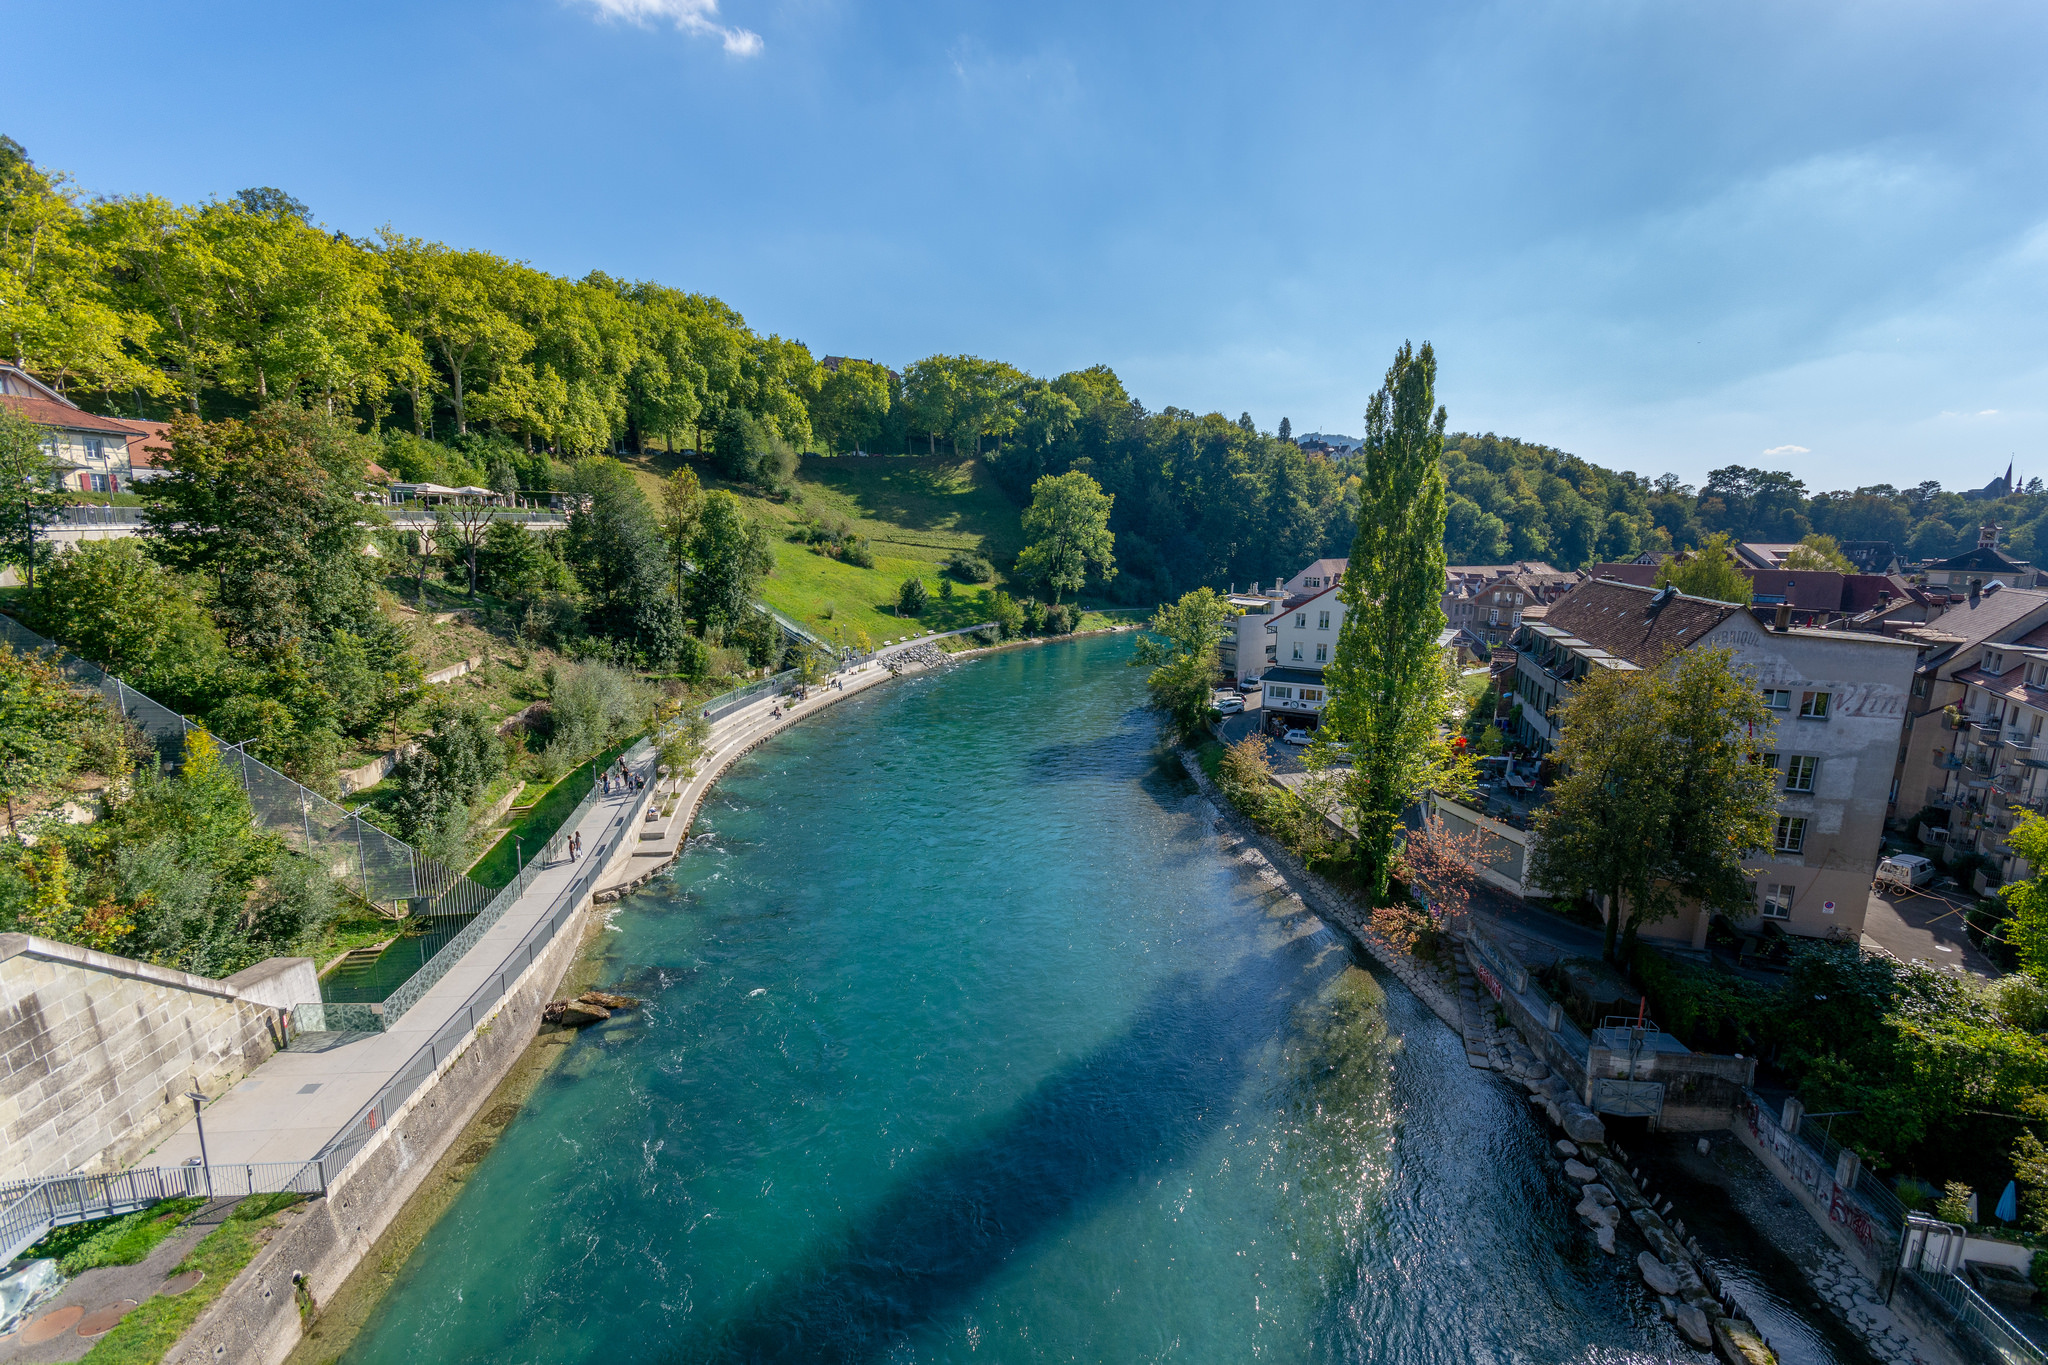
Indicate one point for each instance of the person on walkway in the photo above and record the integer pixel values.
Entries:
(572, 846)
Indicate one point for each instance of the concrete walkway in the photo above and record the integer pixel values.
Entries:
(295, 1102)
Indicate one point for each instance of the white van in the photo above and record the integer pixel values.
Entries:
(1902, 873)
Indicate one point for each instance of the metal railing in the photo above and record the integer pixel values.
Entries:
(31, 1209)
(1868, 1188)
(347, 1144)
(1931, 1265)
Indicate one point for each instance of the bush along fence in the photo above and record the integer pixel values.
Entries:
(371, 864)
(31, 1209)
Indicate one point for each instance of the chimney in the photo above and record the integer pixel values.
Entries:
(1784, 621)
(1976, 590)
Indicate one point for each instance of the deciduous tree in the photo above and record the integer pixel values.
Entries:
(1708, 572)
(1068, 525)
(1388, 682)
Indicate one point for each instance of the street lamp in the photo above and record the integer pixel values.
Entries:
(204, 1165)
(518, 855)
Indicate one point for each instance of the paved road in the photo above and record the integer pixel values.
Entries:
(1926, 928)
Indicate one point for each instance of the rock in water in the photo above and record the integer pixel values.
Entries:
(1582, 1125)
(1656, 1274)
(574, 1012)
(1578, 1172)
(606, 1000)
(1597, 1214)
(1566, 1147)
(1693, 1323)
(1600, 1195)
(1603, 1237)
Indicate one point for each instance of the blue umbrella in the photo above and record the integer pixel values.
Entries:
(2008, 1204)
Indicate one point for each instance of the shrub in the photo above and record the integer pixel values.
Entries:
(1409, 931)
(912, 597)
(856, 551)
(970, 568)
(1004, 610)
(1034, 616)
(1060, 618)
(945, 590)
(1954, 1204)
(1708, 1009)
(693, 659)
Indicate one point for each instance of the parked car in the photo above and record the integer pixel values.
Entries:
(1297, 737)
(1902, 873)
(1230, 705)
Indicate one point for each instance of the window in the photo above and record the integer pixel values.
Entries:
(1311, 694)
(1778, 699)
(1813, 705)
(1799, 772)
(1791, 834)
(1322, 654)
(1301, 620)
(1493, 617)
(1994, 662)
(1769, 761)
(1297, 650)
(1322, 620)
(100, 484)
(1279, 693)
(95, 448)
(1777, 901)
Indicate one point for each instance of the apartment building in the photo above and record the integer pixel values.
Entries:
(1840, 699)
(1950, 642)
(1303, 635)
(1997, 768)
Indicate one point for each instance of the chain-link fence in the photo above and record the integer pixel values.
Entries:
(376, 866)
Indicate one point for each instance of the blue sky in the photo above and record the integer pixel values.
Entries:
(1666, 236)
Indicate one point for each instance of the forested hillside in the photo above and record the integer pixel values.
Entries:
(465, 367)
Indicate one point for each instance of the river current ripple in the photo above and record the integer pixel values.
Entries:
(964, 1043)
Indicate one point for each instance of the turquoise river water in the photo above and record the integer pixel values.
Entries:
(964, 1043)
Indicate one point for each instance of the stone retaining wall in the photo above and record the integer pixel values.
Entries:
(97, 1051)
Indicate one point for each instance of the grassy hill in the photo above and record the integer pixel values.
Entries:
(916, 511)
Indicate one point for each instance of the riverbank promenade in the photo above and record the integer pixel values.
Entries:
(291, 1106)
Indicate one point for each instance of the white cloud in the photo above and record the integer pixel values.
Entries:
(1787, 450)
(698, 17)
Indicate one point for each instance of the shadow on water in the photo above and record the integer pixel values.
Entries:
(1085, 1135)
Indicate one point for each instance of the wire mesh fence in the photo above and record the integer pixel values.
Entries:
(1867, 1187)
(376, 866)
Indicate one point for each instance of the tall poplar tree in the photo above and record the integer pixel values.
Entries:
(1387, 682)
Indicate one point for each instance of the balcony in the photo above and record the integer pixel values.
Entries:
(1949, 761)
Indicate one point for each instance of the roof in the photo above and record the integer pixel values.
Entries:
(1870, 556)
(1313, 677)
(1617, 617)
(64, 417)
(1988, 558)
(1971, 623)
(151, 449)
(1764, 554)
(1642, 575)
(1296, 603)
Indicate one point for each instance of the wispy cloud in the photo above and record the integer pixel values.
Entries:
(1787, 450)
(696, 17)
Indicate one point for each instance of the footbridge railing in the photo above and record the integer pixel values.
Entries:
(32, 1209)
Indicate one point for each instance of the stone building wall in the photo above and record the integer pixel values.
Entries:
(97, 1051)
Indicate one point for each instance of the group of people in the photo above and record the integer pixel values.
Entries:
(620, 778)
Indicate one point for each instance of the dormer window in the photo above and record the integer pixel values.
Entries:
(1993, 662)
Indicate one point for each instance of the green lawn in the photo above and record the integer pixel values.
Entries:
(498, 867)
(146, 1334)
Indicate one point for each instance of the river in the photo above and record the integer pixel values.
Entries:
(962, 1042)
